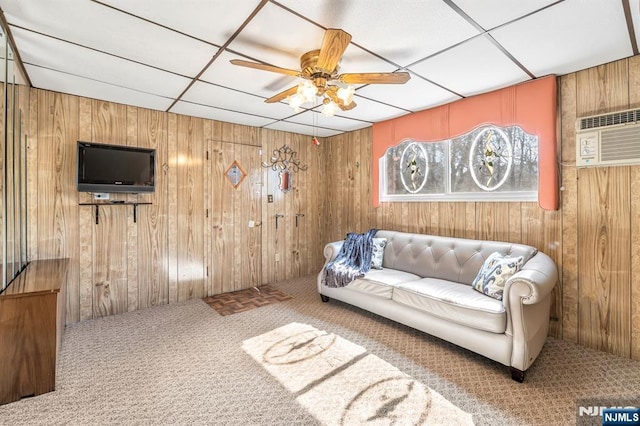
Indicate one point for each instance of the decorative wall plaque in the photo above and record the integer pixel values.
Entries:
(235, 174)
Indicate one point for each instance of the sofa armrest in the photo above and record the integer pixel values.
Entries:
(534, 281)
(527, 301)
(331, 250)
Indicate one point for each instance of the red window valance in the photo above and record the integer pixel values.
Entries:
(530, 105)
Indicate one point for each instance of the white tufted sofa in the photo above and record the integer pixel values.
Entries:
(426, 281)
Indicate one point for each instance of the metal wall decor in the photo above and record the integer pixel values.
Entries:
(235, 174)
(285, 161)
(285, 158)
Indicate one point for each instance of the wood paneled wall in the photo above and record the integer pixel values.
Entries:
(593, 238)
(602, 221)
(295, 248)
(194, 239)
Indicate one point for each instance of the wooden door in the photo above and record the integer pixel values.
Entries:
(234, 217)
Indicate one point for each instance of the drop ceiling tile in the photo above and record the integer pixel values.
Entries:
(43, 78)
(218, 114)
(491, 13)
(371, 111)
(257, 82)
(277, 37)
(415, 95)
(103, 28)
(356, 60)
(46, 52)
(316, 119)
(397, 31)
(220, 97)
(286, 126)
(194, 17)
(568, 37)
(473, 67)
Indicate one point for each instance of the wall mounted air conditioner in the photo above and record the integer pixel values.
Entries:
(608, 139)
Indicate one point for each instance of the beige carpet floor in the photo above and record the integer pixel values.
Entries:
(340, 383)
(184, 364)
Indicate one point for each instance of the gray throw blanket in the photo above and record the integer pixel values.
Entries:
(353, 260)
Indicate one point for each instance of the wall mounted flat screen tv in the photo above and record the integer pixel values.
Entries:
(115, 168)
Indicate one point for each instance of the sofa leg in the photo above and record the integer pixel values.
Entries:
(324, 298)
(517, 375)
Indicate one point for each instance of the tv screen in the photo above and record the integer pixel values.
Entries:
(115, 168)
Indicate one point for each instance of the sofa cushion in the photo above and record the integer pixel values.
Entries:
(455, 302)
(380, 282)
(378, 252)
(446, 258)
(495, 272)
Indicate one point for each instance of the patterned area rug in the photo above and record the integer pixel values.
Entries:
(340, 383)
(245, 300)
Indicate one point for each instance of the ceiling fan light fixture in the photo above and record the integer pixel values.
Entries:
(320, 77)
(295, 102)
(329, 109)
(346, 94)
(307, 91)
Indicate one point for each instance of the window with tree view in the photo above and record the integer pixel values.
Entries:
(490, 163)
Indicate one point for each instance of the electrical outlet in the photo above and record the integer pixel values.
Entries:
(101, 196)
(251, 224)
(270, 198)
(277, 257)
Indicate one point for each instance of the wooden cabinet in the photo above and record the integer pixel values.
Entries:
(32, 320)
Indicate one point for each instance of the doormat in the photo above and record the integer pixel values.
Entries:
(341, 383)
(245, 300)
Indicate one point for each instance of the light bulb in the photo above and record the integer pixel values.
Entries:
(346, 94)
(295, 101)
(307, 91)
(329, 109)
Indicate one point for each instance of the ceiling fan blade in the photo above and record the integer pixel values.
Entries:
(264, 67)
(375, 78)
(334, 44)
(282, 95)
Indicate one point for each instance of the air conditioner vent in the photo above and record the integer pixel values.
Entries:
(605, 120)
(608, 139)
(620, 144)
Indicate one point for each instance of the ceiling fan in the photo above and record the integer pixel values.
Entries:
(319, 71)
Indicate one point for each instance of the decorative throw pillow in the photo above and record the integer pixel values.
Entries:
(378, 252)
(495, 272)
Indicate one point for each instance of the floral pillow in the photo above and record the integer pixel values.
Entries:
(495, 272)
(378, 252)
